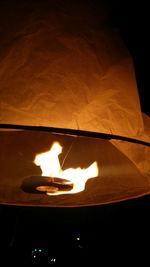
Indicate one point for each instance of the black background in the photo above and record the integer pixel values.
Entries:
(93, 236)
(132, 19)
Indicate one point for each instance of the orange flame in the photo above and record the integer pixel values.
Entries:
(50, 166)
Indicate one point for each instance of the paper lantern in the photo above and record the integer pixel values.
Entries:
(71, 71)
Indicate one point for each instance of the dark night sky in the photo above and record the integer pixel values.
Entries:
(132, 18)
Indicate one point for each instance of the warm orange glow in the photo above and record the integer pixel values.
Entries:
(50, 166)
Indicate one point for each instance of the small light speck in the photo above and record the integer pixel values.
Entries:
(53, 260)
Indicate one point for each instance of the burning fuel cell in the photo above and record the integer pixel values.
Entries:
(54, 180)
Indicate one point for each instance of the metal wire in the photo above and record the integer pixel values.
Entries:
(73, 132)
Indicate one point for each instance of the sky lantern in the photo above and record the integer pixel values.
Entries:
(71, 128)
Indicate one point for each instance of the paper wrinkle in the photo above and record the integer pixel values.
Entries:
(61, 69)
